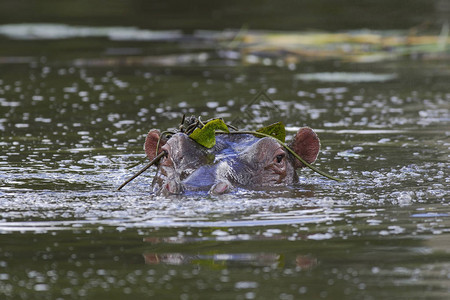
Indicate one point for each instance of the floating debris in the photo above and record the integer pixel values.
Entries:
(364, 46)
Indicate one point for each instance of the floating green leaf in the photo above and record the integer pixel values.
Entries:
(275, 130)
(206, 136)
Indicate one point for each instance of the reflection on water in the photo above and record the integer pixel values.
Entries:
(92, 260)
(224, 260)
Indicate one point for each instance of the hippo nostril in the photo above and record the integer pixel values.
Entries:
(220, 188)
(173, 187)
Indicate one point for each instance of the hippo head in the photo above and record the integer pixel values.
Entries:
(236, 160)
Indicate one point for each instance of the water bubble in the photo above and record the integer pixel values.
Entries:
(212, 104)
(320, 236)
(384, 141)
(41, 287)
(246, 285)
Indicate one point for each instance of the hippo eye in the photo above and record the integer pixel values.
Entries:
(279, 158)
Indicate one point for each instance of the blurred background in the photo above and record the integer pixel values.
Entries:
(267, 15)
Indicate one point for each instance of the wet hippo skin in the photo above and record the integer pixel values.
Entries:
(236, 160)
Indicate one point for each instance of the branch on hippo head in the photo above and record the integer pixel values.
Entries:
(206, 131)
(205, 136)
(288, 149)
(154, 161)
(159, 140)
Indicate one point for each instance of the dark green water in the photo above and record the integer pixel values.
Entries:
(76, 104)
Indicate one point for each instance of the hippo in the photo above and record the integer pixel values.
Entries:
(235, 161)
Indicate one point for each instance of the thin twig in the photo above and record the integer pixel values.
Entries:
(192, 127)
(200, 120)
(138, 163)
(180, 127)
(288, 149)
(154, 161)
(159, 140)
(232, 127)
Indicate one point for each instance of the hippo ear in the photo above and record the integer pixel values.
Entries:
(151, 141)
(306, 144)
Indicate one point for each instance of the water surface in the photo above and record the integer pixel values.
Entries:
(74, 114)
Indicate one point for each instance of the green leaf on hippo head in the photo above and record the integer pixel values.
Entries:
(275, 130)
(206, 136)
